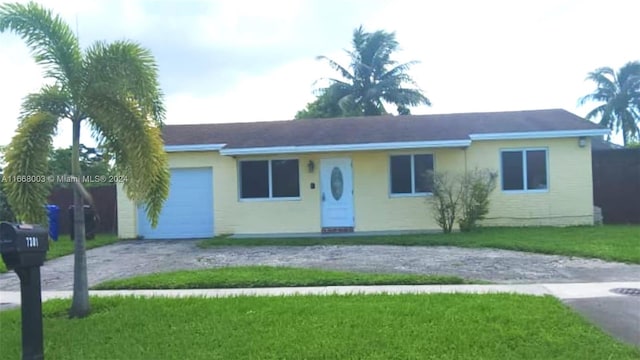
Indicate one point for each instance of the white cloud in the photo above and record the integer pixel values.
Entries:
(244, 23)
(17, 79)
(277, 95)
(254, 60)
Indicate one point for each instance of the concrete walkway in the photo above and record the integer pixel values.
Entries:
(131, 258)
(561, 291)
(618, 315)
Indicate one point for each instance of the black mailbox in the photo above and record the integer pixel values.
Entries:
(23, 245)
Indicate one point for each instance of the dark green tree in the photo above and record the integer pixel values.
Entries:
(373, 78)
(93, 163)
(325, 105)
(618, 95)
(5, 211)
(112, 87)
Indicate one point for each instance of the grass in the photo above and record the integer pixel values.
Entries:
(609, 242)
(438, 326)
(268, 276)
(64, 246)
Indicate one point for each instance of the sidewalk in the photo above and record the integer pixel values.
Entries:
(619, 315)
(561, 291)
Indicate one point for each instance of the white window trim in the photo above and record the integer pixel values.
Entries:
(413, 192)
(525, 184)
(270, 179)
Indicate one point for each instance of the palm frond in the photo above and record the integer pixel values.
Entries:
(399, 71)
(630, 73)
(595, 113)
(344, 72)
(378, 52)
(51, 99)
(604, 78)
(338, 82)
(50, 39)
(406, 97)
(125, 70)
(628, 124)
(27, 167)
(619, 97)
(137, 145)
(378, 48)
(358, 40)
(597, 96)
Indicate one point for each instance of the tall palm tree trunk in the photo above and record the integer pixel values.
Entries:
(80, 302)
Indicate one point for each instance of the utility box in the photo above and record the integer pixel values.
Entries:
(23, 245)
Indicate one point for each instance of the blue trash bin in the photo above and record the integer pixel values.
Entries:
(53, 213)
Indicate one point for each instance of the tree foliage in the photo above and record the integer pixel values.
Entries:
(618, 95)
(27, 155)
(371, 80)
(111, 86)
(93, 163)
(6, 214)
(325, 106)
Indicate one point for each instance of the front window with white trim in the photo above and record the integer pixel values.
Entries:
(409, 174)
(524, 170)
(269, 179)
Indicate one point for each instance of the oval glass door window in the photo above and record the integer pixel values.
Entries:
(337, 183)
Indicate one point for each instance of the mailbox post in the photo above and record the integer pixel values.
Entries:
(24, 248)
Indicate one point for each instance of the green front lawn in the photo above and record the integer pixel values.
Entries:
(64, 246)
(268, 276)
(439, 326)
(609, 242)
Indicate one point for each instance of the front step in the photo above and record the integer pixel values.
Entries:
(337, 230)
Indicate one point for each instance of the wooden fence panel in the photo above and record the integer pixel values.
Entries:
(106, 207)
(616, 185)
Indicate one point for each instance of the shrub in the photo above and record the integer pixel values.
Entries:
(464, 198)
(444, 200)
(475, 188)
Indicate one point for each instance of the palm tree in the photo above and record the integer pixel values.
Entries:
(619, 95)
(373, 78)
(113, 87)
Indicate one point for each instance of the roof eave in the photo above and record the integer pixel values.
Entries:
(539, 134)
(194, 147)
(345, 147)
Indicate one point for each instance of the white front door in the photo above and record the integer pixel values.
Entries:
(336, 180)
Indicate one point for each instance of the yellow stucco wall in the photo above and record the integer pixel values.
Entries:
(127, 219)
(376, 209)
(568, 200)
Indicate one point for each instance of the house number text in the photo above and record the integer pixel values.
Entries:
(32, 241)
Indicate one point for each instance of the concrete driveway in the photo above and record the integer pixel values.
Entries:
(132, 258)
(619, 315)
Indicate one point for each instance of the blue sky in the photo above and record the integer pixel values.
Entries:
(229, 61)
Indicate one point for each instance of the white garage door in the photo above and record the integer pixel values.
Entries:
(188, 211)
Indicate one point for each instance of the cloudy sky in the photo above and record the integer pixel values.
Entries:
(236, 60)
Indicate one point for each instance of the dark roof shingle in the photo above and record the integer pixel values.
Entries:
(375, 129)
